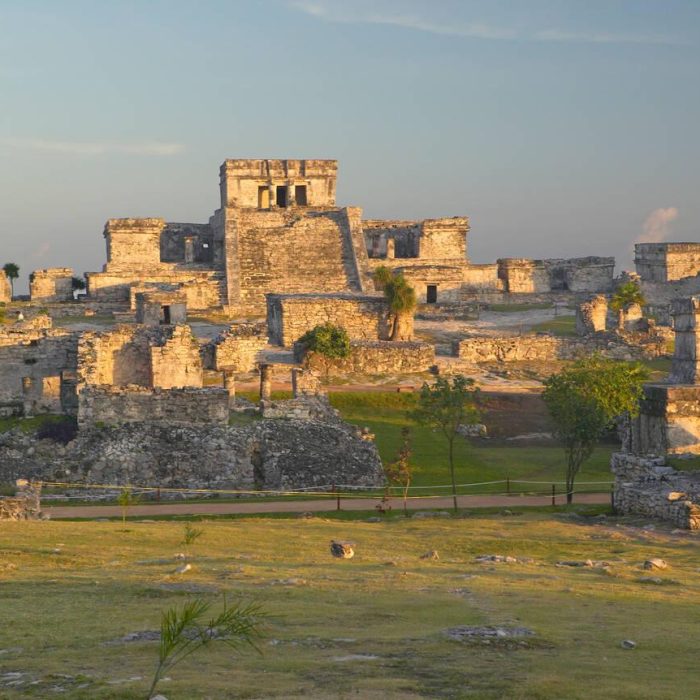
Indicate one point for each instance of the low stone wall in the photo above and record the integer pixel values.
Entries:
(289, 316)
(647, 486)
(118, 405)
(374, 357)
(265, 454)
(237, 349)
(543, 347)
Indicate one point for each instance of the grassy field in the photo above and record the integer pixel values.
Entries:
(561, 325)
(372, 627)
(385, 413)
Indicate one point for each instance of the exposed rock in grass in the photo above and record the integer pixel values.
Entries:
(469, 632)
(355, 657)
(431, 514)
(502, 559)
(655, 563)
(431, 555)
(628, 644)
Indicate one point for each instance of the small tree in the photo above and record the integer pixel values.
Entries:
(445, 406)
(626, 295)
(400, 470)
(184, 631)
(126, 499)
(584, 400)
(329, 342)
(78, 283)
(401, 298)
(12, 271)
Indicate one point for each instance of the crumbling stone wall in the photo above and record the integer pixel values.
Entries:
(373, 357)
(289, 316)
(118, 405)
(26, 504)
(236, 349)
(35, 360)
(544, 347)
(146, 356)
(591, 315)
(53, 284)
(590, 274)
(648, 486)
(157, 306)
(5, 288)
(666, 262)
(267, 454)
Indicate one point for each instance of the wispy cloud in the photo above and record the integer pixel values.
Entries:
(657, 226)
(323, 10)
(42, 250)
(95, 148)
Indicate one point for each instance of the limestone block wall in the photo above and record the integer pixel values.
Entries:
(519, 275)
(650, 488)
(187, 243)
(241, 180)
(669, 421)
(544, 347)
(591, 274)
(133, 244)
(53, 284)
(404, 234)
(176, 360)
(686, 356)
(374, 357)
(482, 277)
(104, 405)
(145, 356)
(666, 262)
(591, 315)
(292, 251)
(34, 359)
(289, 316)
(5, 288)
(237, 349)
(154, 307)
(442, 239)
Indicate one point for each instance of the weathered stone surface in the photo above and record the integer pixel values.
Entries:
(267, 454)
(666, 262)
(5, 288)
(289, 316)
(591, 315)
(373, 357)
(52, 284)
(591, 274)
(236, 349)
(543, 347)
(26, 504)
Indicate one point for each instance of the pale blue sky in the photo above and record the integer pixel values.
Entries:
(557, 126)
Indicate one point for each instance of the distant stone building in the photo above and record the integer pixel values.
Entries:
(666, 262)
(53, 284)
(5, 288)
(279, 231)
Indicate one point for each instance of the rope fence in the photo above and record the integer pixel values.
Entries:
(551, 489)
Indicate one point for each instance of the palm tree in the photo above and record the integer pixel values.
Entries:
(401, 298)
(12, 271)
(627, 294)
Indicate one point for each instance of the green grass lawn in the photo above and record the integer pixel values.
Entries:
(385, 413)
(560, 325)
(372, 627)
(517, 308)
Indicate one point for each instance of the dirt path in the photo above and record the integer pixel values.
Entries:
(315, 506)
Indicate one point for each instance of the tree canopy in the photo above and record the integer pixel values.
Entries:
(401, 298)
(445, 406)
(584, 401)
(12, 271)
(327, 340)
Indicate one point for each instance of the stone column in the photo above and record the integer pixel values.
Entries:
(230, 385)
(265, 382)
(273, 196)
(390, 247)
(686, 357)
(189, 250)
(291, 196)
(297, 373)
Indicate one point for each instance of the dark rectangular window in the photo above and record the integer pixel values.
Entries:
(281, 196)
(300, 195)
(166, 315)
(431, 294)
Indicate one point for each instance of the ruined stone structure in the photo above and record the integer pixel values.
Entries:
(237, 349)
(543, 347)
(155, 307)
(668, 424)
(289, 316)
(279, 231)
(25, 505)
(54, 284)
(591, 274)
(666, 262)
(374, 357)
(591, 315)
(5, 288)
(37, 368)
